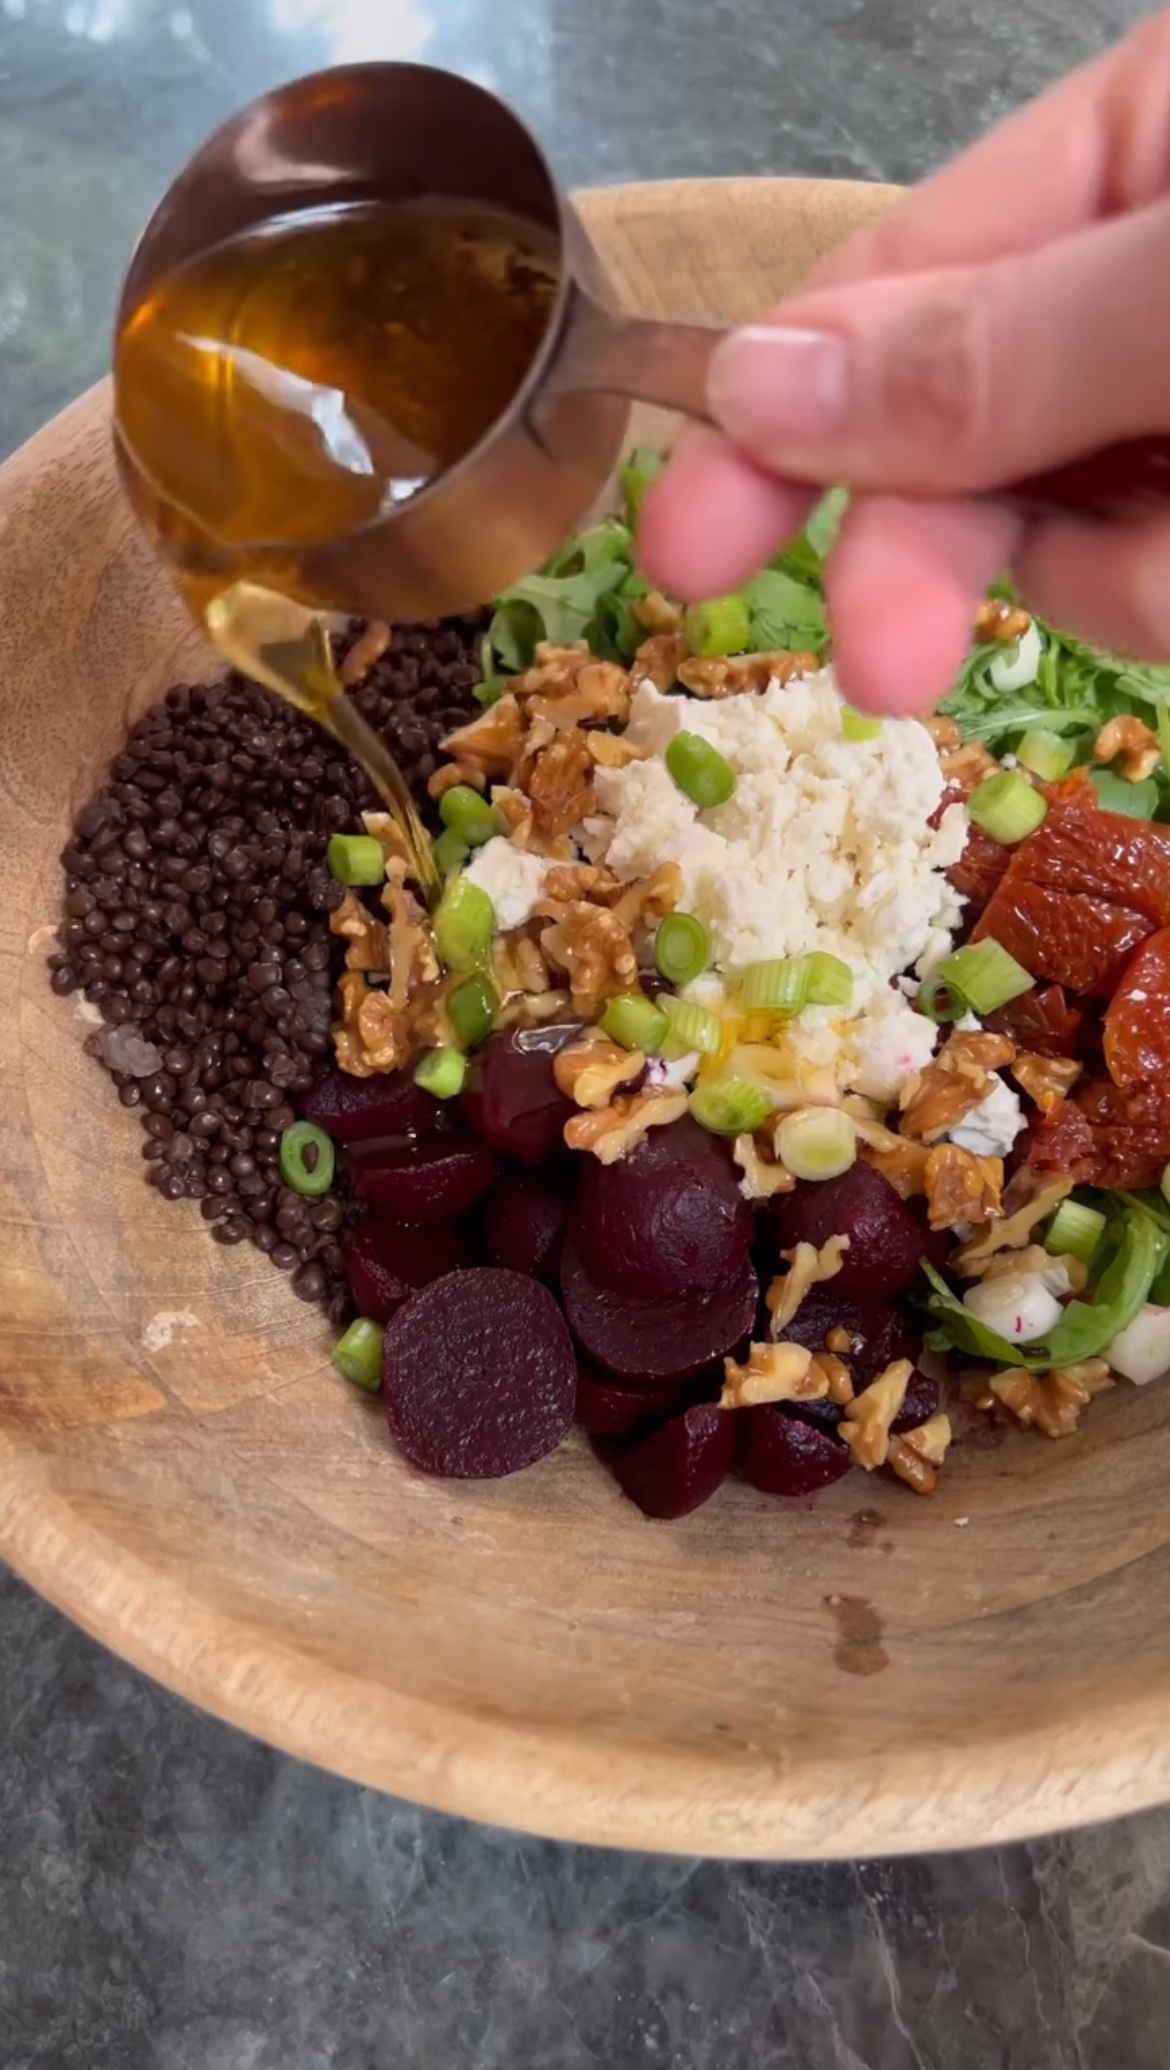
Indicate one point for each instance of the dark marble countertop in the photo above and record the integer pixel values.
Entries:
(175, 1897)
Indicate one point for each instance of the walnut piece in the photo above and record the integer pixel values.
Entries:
(518, 966)
(772, 1373)
(944, 733)
(761, 1179)
(1028, 1200)
(1009, 1264)
(1128, 741)
(650, 898)
(1046, 1080)
(450, 774)
(730, 675)
(370, 1036)
(902, 1163)
(614, 751)
(1050, 1401)
(413, 960)
(961, 1186)
(560, 783)
(807, 1267)
(592, 947)
(590, 1070)
(866, 1429)
(838, 1341)
(613, 1131)
(966, 767)
(588, 692)
(995, 620)
(836, 1375)
(369, 647)
(492, 742)
(659, 659)
(385, 830)
(366, 937)
(658, 614)
(950, 1088)
(917, 1455)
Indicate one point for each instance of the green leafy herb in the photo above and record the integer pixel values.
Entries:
(959, 1330)
(785, 612)
(1116, 794)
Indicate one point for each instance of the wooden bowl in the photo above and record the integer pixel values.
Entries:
(182, 1473)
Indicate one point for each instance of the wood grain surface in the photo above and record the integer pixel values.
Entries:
(181, 1472)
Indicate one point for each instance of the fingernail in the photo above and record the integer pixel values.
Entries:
(773, 389)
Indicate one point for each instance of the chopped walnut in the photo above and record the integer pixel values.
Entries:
(590, 944)
(371, 1035)
(658, 614)
(866, 1429)
(1008, 1264)
(560, 783)
(593, 695)
(917, 1455)
(649, 899)
(516, 813)
(368, 648)
(530, 1009)
(450, 774)
(1128, 741)
(613, 1131)
(366, 937)
(659, 659)
(590, 1070)
(944, 733)
(1051, 1401)
(836, 1375)
(902, 1163)
(773, 1373)
(950, 1088)
(838, 1341)
(518, 966)
(761, 1178)
(413, 961)
(491, 742)
(729, 675)
(1046, 1080)
(614, 751)
(1028, 1200)
(961, 1186)
(966, 767)
(385, 830)
(995, 620)
(807, 1267)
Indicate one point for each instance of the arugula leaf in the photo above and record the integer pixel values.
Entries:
(784, 613)
(559, 608)
(643, 466)
(1117, 794)
(825, 522)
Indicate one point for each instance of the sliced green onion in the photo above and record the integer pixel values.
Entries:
(1045, 754)
(642, 467)
(465, 920)
(306, 1159)
(729, 1106)
(777, 986)
(635, 1023)
(1074, 1231)
(356, 859)
(830, 982)
(699, 770)
(977, 979)
(692, 1027)
(490, 691)
(450, 851)
(817, 1143)
(465, 813)
(724, 626)
(471, 1009)
(857, 726)
(358, 1355)
(1007, 808)
(681, 948)
(441, 1072)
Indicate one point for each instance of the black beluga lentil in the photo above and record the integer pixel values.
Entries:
(196, 921)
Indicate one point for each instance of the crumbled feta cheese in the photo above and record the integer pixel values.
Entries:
(888, 1045)
(1141, 1352)
(991, 1128)
(670, 1074)
(512, 878)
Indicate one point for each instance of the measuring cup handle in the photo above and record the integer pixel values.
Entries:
(633, 356)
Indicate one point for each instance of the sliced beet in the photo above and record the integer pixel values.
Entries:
(431, 1180)
(524, 1224)
(387, 1263)
(352, 1110)
(783, 1456)
(607, 1408)
(921, 1402)
(878, 1334)
(679, 1466)
(478, 1374)
(668, 1219)
(887, 1235)
(511, 1100)
(655, 1342)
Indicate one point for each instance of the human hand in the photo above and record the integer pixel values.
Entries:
(1012, 314)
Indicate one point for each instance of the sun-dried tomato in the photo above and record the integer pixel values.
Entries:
(1080, 942)
(1137, 1019)
(1103, 855)
(979, 869)
(1044, 1021)
(1103, 1136)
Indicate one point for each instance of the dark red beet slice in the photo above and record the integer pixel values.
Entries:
(679, 1466)
(478, 1374)
(651, 1342)
(608, 1409)
(512, 1101)
(387, 1263)
(785, 1457)
(524, 1224)
(887, 1235)
(877, 1333)
(668, 1219)
(352, 1110)
(432, 1180)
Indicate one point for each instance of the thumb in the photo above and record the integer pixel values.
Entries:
(967, 379)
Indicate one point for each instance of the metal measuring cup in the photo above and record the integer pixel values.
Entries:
(390, 132)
